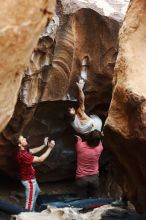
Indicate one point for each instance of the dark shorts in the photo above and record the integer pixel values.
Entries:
(87, 186)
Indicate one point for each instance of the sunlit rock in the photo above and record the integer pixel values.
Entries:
(115, 9)
(35, 116)
(125, 130)
(105, 212)
(41, 58)
(22, 21)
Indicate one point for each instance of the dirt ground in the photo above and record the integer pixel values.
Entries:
(13, 192)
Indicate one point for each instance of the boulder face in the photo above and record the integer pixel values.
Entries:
(94, 63)
(103, 212)
(21, 23)
(47, 119)
(111, 8)
(125, 130)
(74, 43)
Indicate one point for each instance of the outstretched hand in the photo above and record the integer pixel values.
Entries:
(72, 111)
(51, 144)
(46, 139)
(80, 84)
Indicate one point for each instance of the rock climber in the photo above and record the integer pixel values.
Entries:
(25, 160)
(88, 151)
(80, 121)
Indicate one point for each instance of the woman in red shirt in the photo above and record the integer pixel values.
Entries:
(88, 152)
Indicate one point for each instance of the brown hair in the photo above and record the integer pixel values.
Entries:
(15, 139)
(93, 138)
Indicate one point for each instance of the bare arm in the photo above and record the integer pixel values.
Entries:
(37, 149)
(80, 85)
(40, 159)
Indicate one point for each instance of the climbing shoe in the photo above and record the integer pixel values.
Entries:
(120, 204)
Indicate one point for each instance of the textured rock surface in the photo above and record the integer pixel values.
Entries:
(73, 43)
(111, 8)
(59, 73)
(105, 212)
(125, 131)
(100, 32)
(21, 23)
(48, 119)
(78, 34)
(34, 76)
(84, 34)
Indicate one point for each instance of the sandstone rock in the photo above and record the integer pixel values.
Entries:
(32, 83)
(125, 130)
(73, 44)
(21, 23)
(102, 33)
(47, 118)
(59, 73)
(105, 212)
(83, 34)
(111, 8)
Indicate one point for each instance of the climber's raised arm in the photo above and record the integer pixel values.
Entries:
(80, 85)
(37, 149)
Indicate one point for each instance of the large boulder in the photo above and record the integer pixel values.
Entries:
(125, 130)
(111, 8)
(76, 37)
(95, 55)
(47, 120)
(21, 22)
(105, 212)
(72, 45)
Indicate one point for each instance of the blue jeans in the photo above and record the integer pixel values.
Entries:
(32, 191)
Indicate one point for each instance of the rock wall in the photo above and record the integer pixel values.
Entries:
(85, 46)
(59, 73)
(105, 212)
(55, 65)
(111, 8)
(75, 39)
(46, 119)
(21, 23)
(72, 44)
(125, 130)
(33, 82)
(96, 39)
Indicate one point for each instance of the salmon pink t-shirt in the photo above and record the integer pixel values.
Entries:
(87, 158)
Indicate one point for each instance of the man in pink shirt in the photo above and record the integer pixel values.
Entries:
(88, 153)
